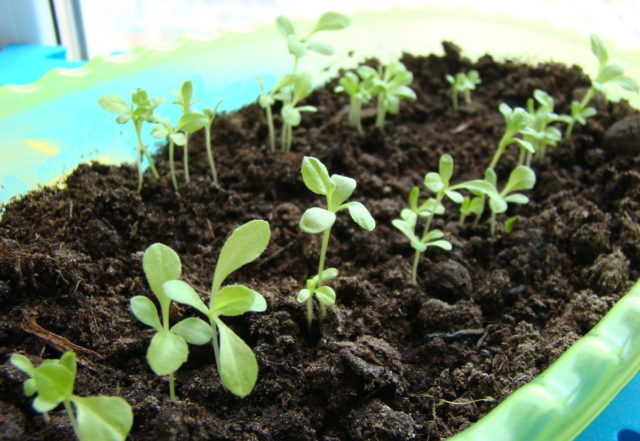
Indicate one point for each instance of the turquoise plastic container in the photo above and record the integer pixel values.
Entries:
(53, 124)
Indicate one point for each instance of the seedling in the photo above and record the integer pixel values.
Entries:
(358, 87)
(337, 189)
(291, 88)
(517, 120)
(140, 111)
(235, 360)
(390, 86)
(98, 418)
(520, 178)
(463, 84)
(291, 112)
(168, 349)
(471, 205)
(164, 129)
(438, 183)
(407, 226)
(210, 114)
(539, 133)
(607, 73)
(183, 99)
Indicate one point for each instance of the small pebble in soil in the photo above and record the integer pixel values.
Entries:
(449, 281)
(623, 137)
(609, 273)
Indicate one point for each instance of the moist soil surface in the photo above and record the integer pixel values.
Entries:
(392, 360)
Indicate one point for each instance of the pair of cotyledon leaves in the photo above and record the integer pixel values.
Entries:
(337, 189)
(298, 46)
(98, 418)
(168, 349)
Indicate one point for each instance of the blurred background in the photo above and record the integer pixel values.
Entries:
(89, 27)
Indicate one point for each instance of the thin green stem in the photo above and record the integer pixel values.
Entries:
(454, 99)
(381, 114)
(72, 417)
(323, 254)
(142, 148)
(185, 159)
(309, 304)
(414, 267)
(172, 164)
(492, 223)
(272, 134)
(139, 158)
(172, 387)
(504, 142)
(467, 96)
(214, 342)
(212, 163)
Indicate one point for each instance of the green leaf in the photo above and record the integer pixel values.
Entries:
(195, 331)
(238, 365)
(22, 363)
(331, 21)
(295, 46)
(187, 92)
(497, 204)
(321, 48)
(302, 86)
(291, 115)
(520, 178)
(454, 196)
(610, 73)
(160, 264)
(166, 353)
(418, 246)
(361, 215)
(303, 295)
(433, 235)
(328, 274)
(406, 229)
(181, 292)
(517, 198)
(244, 245)
(344, 188)
(599, 50)
(445, 168)
(284, 25)
(103, 418)
(178, 138)
(159, 131)
(54, 383)
(316, 220)
(115, 104)
(192, 122)
(414, 194)
(445, 245)
(145, 311)
(236, 300)
(316, 177)
(628, 84)
(29, 387)
(68, 360)
(433, 182)
(326, 295)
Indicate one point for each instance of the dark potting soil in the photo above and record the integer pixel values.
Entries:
(392, 361)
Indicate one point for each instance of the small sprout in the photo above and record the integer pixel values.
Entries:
(520, 178)
(163, 129)
(539, 133)
(210, 115)
(168, 349)
(390, 85)
(140, 111)
(517, 120)
(189, 122)
(434, 238)
(291, 112)
(471, 205)
(607, 73)
(358, 87)
(98, 418)
(438, 183)
(337, 189)
(235, 360)
(510, 223)
(462, 84)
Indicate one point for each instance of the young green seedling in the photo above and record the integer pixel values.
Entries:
(267, 99)
(390, 86)
(210, 115)
(462, 84)
(291, 112)
(517, 120)
(98, 418)
(163, 129)
(358, 88)
(168, 349)
(539, 133)
(438, 183)
(471, 205)
(183, 99)
(235, 360)
(607, 73)
(520, 178)
(337, 189)
(407, 226)
(140, 111)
